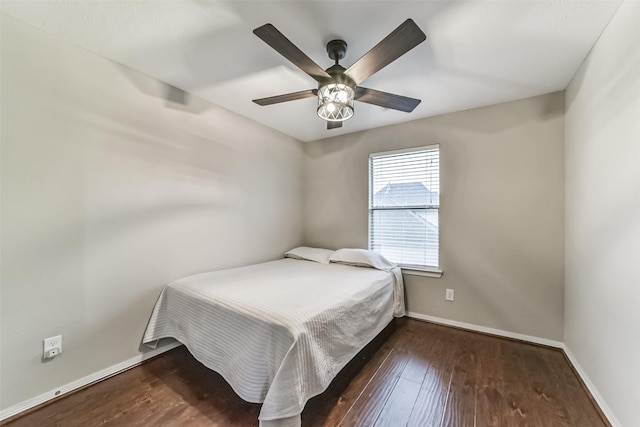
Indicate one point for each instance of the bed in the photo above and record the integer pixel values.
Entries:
(280, 331)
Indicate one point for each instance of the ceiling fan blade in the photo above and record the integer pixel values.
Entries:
(401, 40)
(333, 125)
(274, 38)
(286, 97)
(386, 100)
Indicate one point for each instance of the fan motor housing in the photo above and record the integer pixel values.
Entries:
(338, 76)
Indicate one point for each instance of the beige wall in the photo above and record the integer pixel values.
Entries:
(501, 210)
(108, 193)
(602, 284)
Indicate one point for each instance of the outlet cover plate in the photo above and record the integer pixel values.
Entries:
(449, 295)
(51, 344)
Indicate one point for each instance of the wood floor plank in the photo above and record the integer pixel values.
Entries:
(430, 403)
(460, 409)
(371, 401)
(398, 406)
(523, 408)
(568, 384)
(551, 382)
(400, 403)
(492, 408)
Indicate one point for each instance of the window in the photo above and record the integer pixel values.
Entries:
(404, 201)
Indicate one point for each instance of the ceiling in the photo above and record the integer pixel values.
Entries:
(476, 53)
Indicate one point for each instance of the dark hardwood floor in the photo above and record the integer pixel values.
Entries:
(423, 375)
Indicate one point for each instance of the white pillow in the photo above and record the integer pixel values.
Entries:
(361, 258)
(310, 254)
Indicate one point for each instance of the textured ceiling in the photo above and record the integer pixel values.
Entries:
(477, 52)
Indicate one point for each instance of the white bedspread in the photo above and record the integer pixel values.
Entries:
(280, 331)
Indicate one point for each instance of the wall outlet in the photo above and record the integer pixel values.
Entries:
(449, 295)
(52, 347)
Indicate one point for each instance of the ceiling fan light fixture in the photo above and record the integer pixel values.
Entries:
(335, 102)
(338, 85)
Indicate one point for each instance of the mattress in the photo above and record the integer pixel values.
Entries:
(280, 331)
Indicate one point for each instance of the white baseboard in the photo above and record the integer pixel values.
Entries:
(484, 329)
(100, 375)
(592, 389)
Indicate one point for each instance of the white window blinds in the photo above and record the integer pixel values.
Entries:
(404, 201)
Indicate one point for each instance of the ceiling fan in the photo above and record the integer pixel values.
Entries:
(338, 87)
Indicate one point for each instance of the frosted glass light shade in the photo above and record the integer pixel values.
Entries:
(335, 102)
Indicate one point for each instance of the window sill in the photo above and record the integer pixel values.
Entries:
(412, 271)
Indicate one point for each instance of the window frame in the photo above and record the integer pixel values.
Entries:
(417, 270)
